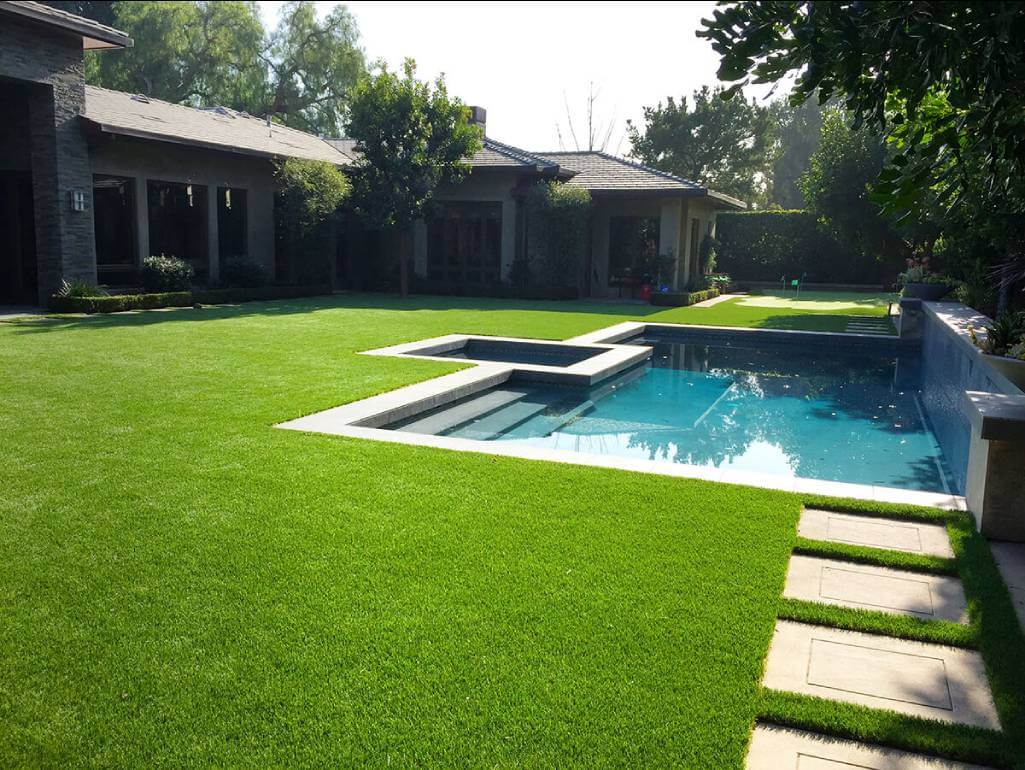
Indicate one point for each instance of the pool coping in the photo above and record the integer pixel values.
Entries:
(364, 419)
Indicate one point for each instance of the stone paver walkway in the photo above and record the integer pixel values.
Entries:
(875, 532)
(1010, 559)
(920, 679)
(778, 748)
(916, 678)
(828, 581)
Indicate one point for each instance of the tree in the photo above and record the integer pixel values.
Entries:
(599, 131)
(944, 81)
(797, 132)
(411, 137)
(186, 52)
(309, 193)
(313, 67)
(837, 184)
(207, 53)
(723, 144)
(97, 10)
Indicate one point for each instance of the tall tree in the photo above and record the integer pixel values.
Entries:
(797, 135)
(187, 52)
(837, 185)
(313, 67)
(97, 10)
(411, 137)
(721, 143)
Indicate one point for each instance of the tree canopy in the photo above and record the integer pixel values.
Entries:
(411, 137)
(721, 143)
(206, 53)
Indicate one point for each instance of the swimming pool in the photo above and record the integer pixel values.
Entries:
(849, 413)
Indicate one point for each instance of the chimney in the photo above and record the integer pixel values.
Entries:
(479, 117)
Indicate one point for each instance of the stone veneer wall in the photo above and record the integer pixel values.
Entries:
(52, 63)
(951, 365)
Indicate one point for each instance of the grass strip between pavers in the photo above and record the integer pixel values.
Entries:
(860, 554)
(887, 728)
(882, 623)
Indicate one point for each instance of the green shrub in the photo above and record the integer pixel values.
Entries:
(305, 204)
(165, 274)
(79, 288)
(122, 302)
(682, 299)
(768, 245)
(239, 272)
(557, 217)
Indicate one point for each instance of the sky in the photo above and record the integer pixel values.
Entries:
(524, 62)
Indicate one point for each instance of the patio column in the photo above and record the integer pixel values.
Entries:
(213, 244)
(670, 223)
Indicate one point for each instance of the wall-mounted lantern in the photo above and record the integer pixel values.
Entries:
(77, 200)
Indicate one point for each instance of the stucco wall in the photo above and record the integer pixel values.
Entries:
(167, 162)
(51, 63)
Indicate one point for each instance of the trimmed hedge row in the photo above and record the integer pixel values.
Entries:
(767, 245)
(120, 302)
(684, 298)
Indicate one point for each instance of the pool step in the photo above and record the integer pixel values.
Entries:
(868, 325)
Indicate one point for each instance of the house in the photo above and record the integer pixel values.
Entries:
(93, 180)
(479, 231)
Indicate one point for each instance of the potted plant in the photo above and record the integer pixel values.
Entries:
(919, 282)
(1004, 346)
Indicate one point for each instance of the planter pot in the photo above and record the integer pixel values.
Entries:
(1012, 368)
(930, 292)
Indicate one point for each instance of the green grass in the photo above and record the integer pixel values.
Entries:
(181, 583)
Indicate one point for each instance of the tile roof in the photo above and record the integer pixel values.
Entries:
(492, 155)
(94, 34)
(219, 128)
(600, 172)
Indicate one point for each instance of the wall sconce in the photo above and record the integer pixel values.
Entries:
(77, 200)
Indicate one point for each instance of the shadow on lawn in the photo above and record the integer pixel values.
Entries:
(272, 308)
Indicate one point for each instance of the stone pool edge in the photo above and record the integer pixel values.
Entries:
(364, 419)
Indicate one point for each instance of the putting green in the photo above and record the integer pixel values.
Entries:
(823, 301)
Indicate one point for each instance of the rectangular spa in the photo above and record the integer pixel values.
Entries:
(801, 406)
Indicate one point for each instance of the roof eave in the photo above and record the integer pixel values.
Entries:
(93, 36)
(153, 137)
(726, 201)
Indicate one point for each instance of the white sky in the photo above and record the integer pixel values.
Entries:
(521, 61)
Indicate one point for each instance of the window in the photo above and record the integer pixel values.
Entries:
(633, 249)
(231, 223)
(464, 244)
(178, 223)
(114, 226)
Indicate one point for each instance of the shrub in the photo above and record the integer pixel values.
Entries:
(682, 299)
(78, 288)
(309, 193)
(557, 217)
(165, 274)
(121, 302)
(237, 272)
(768, 245)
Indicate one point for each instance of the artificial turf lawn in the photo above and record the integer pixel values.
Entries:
(182, 583)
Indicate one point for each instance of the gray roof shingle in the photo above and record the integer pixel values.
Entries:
(94, 35)
(219, 128)
(600, 172)
(492, 155)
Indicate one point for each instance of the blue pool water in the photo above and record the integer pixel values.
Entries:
(821, 413)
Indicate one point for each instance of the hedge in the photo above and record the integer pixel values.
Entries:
(767, 245)
(684, 298)
(120, 302)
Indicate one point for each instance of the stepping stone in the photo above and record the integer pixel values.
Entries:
(845, 584)
(915, 678)
(872, 531)
(781, 748)
(1010, 559)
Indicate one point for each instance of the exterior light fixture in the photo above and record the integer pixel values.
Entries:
(77, 198)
